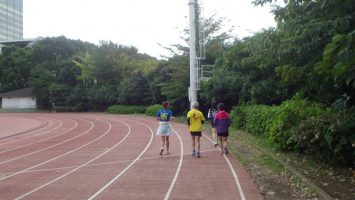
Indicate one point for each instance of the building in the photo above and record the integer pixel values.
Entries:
(22, 98)
(11, 20)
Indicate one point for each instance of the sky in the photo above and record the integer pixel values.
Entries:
(148, 25)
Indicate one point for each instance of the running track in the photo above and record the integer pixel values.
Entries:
(102, 156)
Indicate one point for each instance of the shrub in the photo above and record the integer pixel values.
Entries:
(302, 126)
(124, 109)
(153, 109)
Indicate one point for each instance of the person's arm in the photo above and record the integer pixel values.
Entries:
(157, 115)
(215, 119)
(188, 121)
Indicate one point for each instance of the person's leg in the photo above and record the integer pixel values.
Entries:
(167, 144)
(214, 137)
(198, 145)
(193, 145)
(162, 138)
(220, 143)
(225, 144)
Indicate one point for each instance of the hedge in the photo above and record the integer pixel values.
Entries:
(124, 109)
(302, 126)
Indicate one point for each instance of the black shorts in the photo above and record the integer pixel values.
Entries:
(223, 134)
(196, 133)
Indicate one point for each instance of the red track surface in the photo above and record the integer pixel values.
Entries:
(101, 156)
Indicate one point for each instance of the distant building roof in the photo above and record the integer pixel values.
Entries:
(21, 43)
(26, 92)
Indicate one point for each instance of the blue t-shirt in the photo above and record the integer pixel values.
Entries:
(164, 115)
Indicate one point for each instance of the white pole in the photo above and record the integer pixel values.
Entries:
(193, 81)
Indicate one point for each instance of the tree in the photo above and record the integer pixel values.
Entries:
(15, 67)
(135, 90)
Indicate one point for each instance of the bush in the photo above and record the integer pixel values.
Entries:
(123, 109)
(302, 126)
(153, 109)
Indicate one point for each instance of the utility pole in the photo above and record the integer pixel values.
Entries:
(193, 67)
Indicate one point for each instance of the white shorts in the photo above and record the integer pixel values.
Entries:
(164, 129)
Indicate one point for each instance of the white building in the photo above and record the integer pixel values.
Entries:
(18, 99)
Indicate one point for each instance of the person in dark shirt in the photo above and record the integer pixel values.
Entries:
(210, 116)
(222, 122)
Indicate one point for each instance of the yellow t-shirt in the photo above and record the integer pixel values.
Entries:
(196, 117)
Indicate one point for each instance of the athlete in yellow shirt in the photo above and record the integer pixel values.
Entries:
(195, 119)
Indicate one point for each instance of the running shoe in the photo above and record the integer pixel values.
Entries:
(226, 151)
(216, 144)
(198, 154)
(193, 153)
(161, 152)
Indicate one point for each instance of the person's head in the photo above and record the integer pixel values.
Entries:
(165, 104)
(214, 104)
(194, 105)
(220, 106)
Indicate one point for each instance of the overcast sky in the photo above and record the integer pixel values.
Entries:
(141, 23)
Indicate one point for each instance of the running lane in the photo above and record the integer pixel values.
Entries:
(116, 157)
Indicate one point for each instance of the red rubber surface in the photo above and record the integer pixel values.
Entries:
(101, 156)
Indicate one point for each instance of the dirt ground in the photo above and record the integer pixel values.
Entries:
(277, 183)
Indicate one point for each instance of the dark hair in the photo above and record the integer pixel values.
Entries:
(220, 106)
(214, 104)
(165, 104)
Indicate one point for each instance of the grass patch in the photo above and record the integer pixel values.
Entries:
(270, 163)
(250, 149)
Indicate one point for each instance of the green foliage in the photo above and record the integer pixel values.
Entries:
(153, 109)
(338, 62)
(123, 109)
(302, 126)
(15, 67)
(135, 90)
(332, 133)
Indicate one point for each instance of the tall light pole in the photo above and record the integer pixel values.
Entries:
(193, 68)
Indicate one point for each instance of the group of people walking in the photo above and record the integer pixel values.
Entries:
(218, 117)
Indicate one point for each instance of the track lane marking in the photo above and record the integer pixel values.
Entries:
(44, 139)
(43, 124)
(49, 147)
(129, 166)
(50, 160)
(109, 163)
(80, 166)
(167, 195)
(40, 133)
(241, 193)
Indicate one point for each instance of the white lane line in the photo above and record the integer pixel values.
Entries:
(83, 165)
(241, 193)
(50, 160)
(129, 166)
(49, 147)
(43, 124)
(45, 139)
(40, 133)
(167, 195)
(108, 163)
